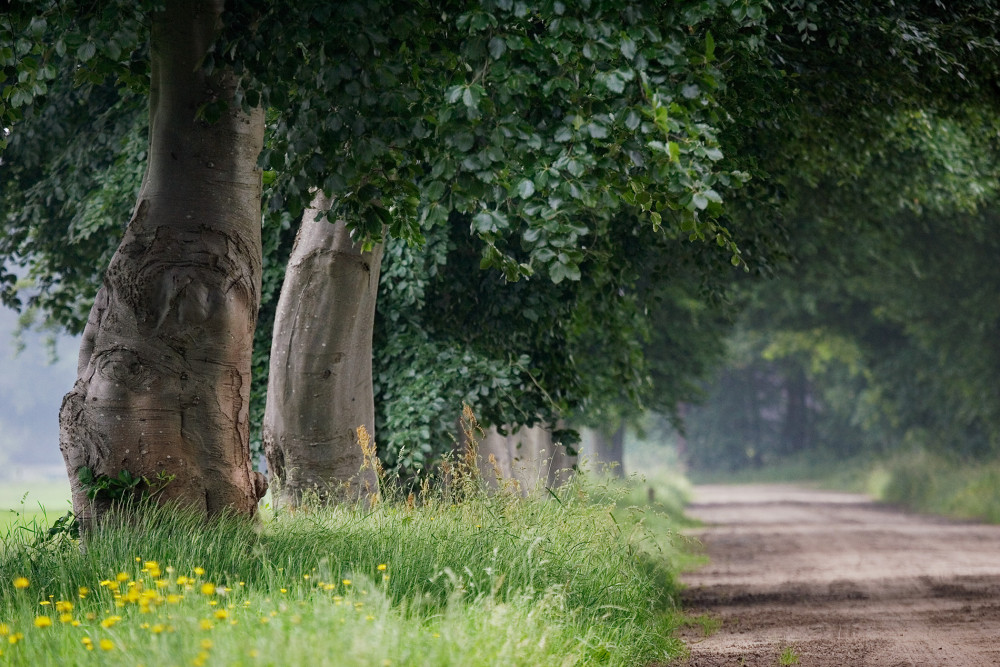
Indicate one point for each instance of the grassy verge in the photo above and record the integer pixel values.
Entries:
(916, 480)
(575, 579)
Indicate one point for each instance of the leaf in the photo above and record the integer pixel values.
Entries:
(675, 151)
(497, 47)
(525, 188)
(632, 120)
(86, 51)
(628, 48)
(709, 47)
(563, 134)
(700, 201)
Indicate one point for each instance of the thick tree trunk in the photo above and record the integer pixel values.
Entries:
(163, 383)
(609, 451)
(528, 456)
(320, 386)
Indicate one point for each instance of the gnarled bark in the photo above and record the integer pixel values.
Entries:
(319, 389)
(163, 384)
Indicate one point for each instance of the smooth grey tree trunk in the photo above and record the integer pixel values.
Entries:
(528, 456)
(163, 384)
(608, 451)
(320, 384)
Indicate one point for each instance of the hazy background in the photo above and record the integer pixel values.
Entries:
(31, 389)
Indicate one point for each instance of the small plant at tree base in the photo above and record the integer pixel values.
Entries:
(116, 488)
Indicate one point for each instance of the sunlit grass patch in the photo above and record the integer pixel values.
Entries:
(488, 580)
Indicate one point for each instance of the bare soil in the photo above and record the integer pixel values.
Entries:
(835, 579)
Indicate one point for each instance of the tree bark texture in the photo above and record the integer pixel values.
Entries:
(320, 385)
(528, 456)
(163, 384)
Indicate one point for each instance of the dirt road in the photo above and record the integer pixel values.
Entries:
(833, 579)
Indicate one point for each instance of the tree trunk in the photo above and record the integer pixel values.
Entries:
(609, 451)
(320, 386)
(163, 383)
(795, 431)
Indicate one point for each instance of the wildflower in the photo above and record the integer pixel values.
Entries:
(207, 588)
(346, 582)
(21, 583)
(15, 638)
(221, 614)
(88, 642)
(199, 571)
(42, 621)
(63, 606)
(122, 576)
(206, 644)
(4, 629)
(110, 621)
(157, 629)
(66, 618)
(83, 592)
(206, 624)
(107, 645)
(173, 598)
(182, 580)
(382, 567)
(153, 568)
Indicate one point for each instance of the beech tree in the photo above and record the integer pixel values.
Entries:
(539, 128)
(162, 394)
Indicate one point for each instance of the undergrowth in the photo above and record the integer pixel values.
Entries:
(463, 577)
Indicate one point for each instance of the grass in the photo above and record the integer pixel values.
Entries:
(917, 480)
(582, 578)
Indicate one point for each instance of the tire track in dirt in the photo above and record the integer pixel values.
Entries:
(841, 581)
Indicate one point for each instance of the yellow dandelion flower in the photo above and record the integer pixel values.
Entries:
(157, 629)
(42, 621)
(66, 618)
(138, 559)
(382, 567)
(110, 621)
(206, 624)
(4, 629)
(87, 641)
(206, 644)
(265, 620)
(284, 590)
(162, 583)
(122, 576)
(173, 598)
(221, 614)
(83, 592)
(21, 583)
(45, 603)
(208, 588)
(346, 582)
(305, 576)
(107, 645)
(62, 606)
(369, 617)
(199, 571)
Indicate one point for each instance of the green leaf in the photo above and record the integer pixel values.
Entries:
(709, 47)
(628, 48)
(525, 188)
(675, 151)
(86, 51)
(497, 47)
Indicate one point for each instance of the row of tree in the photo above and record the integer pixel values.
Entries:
(504, 195)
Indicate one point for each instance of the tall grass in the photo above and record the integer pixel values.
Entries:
(465, 578)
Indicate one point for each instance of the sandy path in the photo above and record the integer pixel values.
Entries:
(841, 581)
